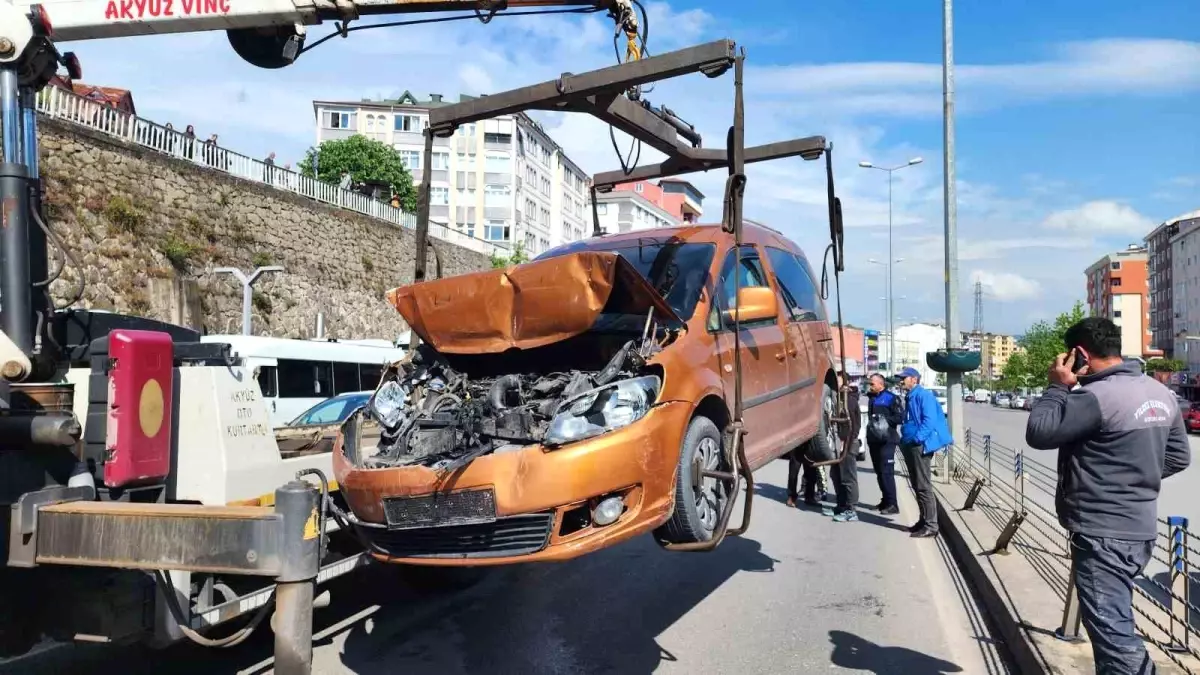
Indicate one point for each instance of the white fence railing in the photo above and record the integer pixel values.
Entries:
(61, 104)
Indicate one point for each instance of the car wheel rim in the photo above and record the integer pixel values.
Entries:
(830, 426)
(710, 492)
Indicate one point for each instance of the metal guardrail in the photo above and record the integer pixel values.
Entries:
(60, 104)
(1019, 484)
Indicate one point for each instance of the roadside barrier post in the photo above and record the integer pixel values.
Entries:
(987, 454)
(1181, 599)
(1072, 619)
(1018, 516)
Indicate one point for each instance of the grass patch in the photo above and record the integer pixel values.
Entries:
(262, 302)
(261, 259)
(123, 215)
(178, 251)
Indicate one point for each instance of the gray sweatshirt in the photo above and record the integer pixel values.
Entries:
(1118, 435)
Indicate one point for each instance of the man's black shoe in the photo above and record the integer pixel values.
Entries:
(924, 533)
(917, 526)
(889, 511)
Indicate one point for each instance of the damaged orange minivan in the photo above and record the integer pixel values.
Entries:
(564, 405)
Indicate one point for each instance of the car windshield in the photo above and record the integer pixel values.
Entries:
(331, 411)
(676, 269)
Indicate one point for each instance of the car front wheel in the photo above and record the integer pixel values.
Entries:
(699, 501)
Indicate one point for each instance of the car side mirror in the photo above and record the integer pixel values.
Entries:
(754, 303)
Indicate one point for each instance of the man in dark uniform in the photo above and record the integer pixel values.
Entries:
(885, 414)
(844, 474)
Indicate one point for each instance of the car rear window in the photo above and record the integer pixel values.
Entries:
(676, 269)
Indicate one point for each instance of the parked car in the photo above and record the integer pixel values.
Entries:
(1030, 401)
(982, 396)
(1192, 418)
(1017, 402)
(562, 406)
(314, 429)
(968, 397)
(1001, 399)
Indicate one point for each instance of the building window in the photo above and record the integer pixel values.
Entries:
(497, 162)
(410, 123)
(1116, 265)
(1117, 314)
(505, 139)
(411, 159)
(336, 120)
(602, 209)
(1116, 282)
(467, 130)
(496, 230)
(496, 195)
(441, 161)
(638, 187)
(439, 196)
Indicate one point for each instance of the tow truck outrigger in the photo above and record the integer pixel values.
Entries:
(58, 530)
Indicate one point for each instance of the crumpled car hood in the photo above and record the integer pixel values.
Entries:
(528, 305)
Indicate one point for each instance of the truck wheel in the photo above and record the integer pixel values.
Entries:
(827, 443)
(698, 503)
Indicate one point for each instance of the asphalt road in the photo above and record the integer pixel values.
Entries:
(1007, 427)
(798, 594)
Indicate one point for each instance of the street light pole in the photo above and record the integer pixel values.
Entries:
(247, 289)
(891, 307)
(953, 337)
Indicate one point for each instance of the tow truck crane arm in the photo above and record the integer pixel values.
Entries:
(270, 33)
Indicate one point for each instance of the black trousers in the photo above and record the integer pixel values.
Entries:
(844, 476)
(883, 460)
(920, 474)
(812, 476)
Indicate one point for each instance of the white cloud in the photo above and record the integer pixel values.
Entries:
(1006, 286)
(1099, 67)
(1101, 218)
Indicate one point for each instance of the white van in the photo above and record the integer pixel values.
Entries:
(983, 396)
(295, 375)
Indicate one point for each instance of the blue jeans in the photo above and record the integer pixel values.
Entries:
(1104, 572)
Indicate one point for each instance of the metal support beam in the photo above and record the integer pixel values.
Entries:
(1007, 534)
(633, 119)
(1072, 618)
(247, 290)
(712, 59)
(705, 159)
(973, 495)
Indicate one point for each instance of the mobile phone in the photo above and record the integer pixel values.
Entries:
(1081, 360)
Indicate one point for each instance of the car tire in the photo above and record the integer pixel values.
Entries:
(825, 446)
(697, 511)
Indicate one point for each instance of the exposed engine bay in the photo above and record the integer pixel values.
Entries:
(435, 414)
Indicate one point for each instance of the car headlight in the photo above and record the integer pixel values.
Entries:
(602, 410)
(387, 405)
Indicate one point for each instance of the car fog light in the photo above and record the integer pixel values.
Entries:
(607, 511)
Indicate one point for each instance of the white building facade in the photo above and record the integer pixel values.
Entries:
(503, 180)
(913, 342)
(628, 211)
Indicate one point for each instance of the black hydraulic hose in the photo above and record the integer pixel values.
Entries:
(498, 394)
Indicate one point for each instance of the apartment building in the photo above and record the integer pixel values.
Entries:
(1185, 277)
(504, 180)
(994, 352)
(1118, 289)
(1162, 286)
(676, 196)
(627, 211)
(913, 342)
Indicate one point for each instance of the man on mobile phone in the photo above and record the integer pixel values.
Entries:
(1118, 435)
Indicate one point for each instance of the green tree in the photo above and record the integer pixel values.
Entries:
(1165, 366)
(364, 159)
(1041, 343)
(518, 257)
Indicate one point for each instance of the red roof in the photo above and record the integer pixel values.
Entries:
(121, 99)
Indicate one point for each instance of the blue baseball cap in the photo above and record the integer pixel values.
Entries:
(909, 372)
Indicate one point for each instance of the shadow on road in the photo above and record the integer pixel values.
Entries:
(598, 614)
(855, 653)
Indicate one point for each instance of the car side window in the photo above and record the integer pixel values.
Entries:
(750, 274)
(799, 292)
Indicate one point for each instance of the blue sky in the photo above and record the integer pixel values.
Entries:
(1077, 121)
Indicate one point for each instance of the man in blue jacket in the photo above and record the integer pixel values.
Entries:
(923, 435)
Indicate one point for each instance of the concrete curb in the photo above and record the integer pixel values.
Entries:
(1025, 656)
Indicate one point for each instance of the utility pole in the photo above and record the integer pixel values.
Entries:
(891, 306)
(953, 380)
(247, 289)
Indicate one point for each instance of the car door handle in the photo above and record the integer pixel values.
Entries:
(780, 356)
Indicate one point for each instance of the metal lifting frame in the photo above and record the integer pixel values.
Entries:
(609, 94)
